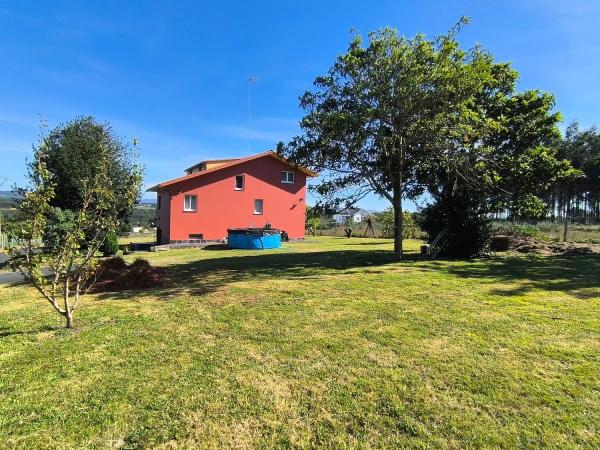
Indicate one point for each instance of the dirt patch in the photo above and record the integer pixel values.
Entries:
(528, 244)
(114, 274)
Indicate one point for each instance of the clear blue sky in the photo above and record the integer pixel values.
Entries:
(174, 74)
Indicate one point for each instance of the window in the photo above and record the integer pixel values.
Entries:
(196, 237)
(287, 177)
(190, 203)
(159, 197)
(258, 206)
(239, 182)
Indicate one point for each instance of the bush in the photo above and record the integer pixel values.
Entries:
(110, 247)
(463, 219)
(531, 231)
(409, 226)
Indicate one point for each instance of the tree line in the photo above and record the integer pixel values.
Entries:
(578, 201)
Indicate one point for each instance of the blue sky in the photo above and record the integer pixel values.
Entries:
(174, 74)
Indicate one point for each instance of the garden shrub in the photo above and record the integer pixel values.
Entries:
(464, 220)
(531, 231)
(110, 246)
(409, 226)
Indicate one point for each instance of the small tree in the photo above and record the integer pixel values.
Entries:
(349, 227)
(63, 271)
(314, 222)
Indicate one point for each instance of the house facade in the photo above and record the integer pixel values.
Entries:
(357, 215)
(235, 193)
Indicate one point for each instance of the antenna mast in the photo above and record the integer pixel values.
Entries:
(251, 81)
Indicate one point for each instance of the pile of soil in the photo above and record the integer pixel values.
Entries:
(527, 244)
(114, 274)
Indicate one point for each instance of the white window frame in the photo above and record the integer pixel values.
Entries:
(262, 207)
(286, 179)
(235, 186)
(193, 206)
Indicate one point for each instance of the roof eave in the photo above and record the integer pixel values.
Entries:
(309, 173)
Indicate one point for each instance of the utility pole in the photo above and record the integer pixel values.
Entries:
(251, 81)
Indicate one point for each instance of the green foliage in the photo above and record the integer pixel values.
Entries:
(409, 228)
(59, 223)
(314, 223)
(349, 227)
(110, 246)
(510, 163)
(527, 230)
(459, 217)
(577, 197)
(517, 159)
(73, 236)
(142, 216)
(76, 151)
(387, 110)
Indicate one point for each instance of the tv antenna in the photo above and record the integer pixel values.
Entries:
(251, 81)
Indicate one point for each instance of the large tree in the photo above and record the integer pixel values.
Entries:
(385, 110)
(510, 164)
(523, 155)
(75, 153)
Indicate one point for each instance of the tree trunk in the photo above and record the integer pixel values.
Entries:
(566, 220)
(69, 316)
(398, 223)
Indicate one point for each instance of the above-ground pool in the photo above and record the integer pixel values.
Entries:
(253, 238)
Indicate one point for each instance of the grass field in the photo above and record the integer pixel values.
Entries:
(576, 233)
(327, 343)
(138, 238)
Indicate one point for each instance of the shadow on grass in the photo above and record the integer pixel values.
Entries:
(577, 275)
(7, 332)
(369, 243)
(216, 247)
(207, 275)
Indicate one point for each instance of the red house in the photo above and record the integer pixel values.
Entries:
(232, 193)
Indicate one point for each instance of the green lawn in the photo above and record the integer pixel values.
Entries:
(327, 343)
(138, 238)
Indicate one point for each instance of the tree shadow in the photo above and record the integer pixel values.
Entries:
(7, 332)
(577, 274)
(369, 243)
(216, 247)
(208, 275)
